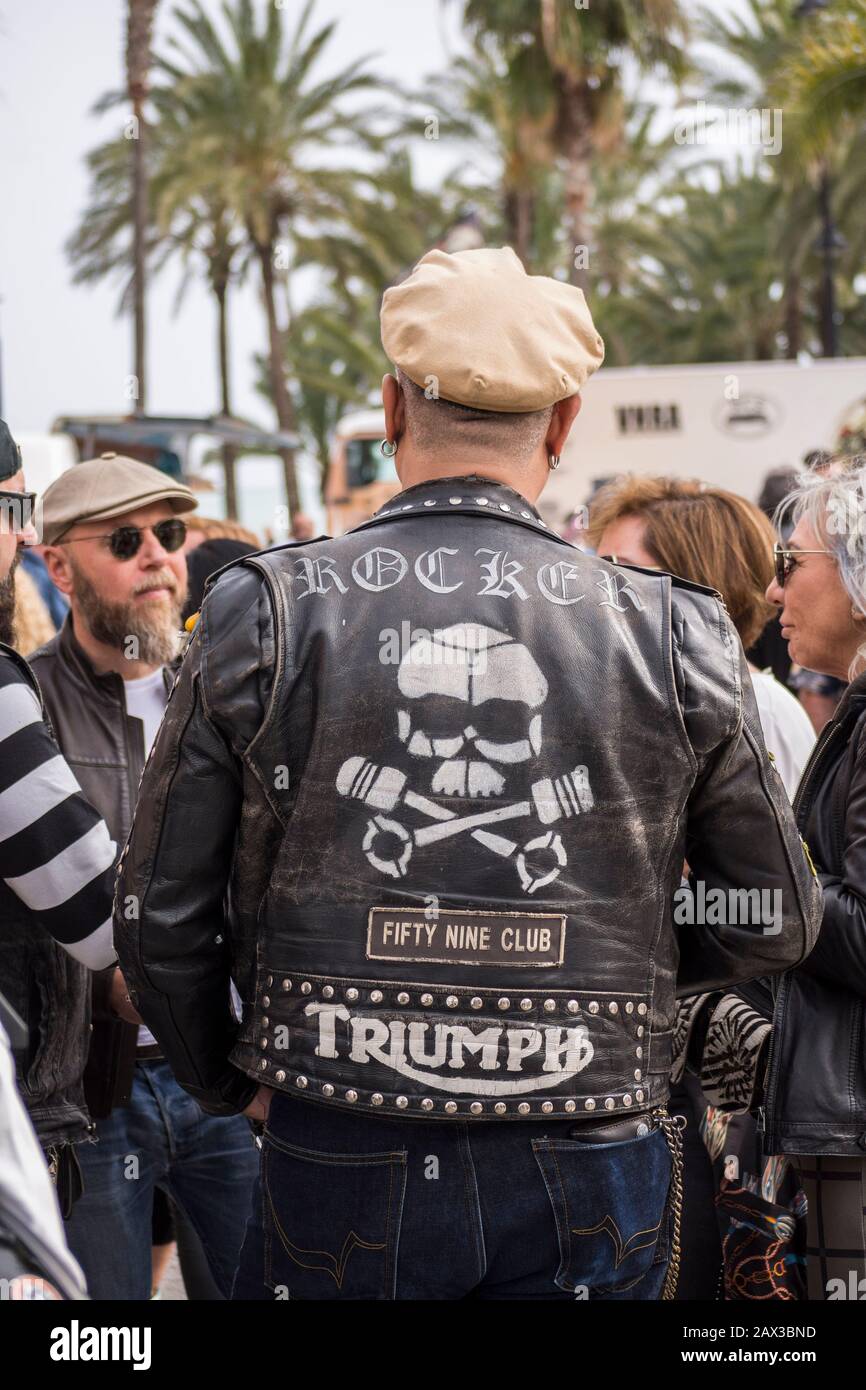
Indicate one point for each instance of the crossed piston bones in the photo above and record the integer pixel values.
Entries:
(383, 789)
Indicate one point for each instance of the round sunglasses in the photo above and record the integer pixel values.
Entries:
(126, 541)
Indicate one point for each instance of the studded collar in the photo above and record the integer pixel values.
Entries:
(468, 494)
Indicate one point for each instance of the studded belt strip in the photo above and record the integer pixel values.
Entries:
(443, 1051)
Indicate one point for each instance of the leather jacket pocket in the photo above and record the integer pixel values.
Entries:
(610, 1207)
(331, 1221)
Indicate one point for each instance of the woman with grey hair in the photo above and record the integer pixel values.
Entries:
(815, 1102)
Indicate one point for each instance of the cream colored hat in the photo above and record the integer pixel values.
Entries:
(474, 328)
(102, 488)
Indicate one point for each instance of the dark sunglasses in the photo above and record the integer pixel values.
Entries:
(18, 507)
(786, 561)
(126, 541)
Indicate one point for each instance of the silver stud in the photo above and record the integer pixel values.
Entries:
(547, 1107)
(549, 1006)
(593, 1008)
(270, 981)
(613, 1007)
(452, 1001)
(610, 1103)
(402, 997)
(426, 1000)
(526, 516)
(431, 502)
(629, 1008)
(523, 1108)
(476, 1108)
(500, 1108)
(526, 1005)
(376, 1098)
(327, 1090)
(375, 996)
(401, 1102)
(638, 1052)
(263, 1064)
(450, 1107)
(266, 1001)
(263, 1042)
(328, 991)
(266, 1022)
(589, 1105)
(570, 1106)
(638, 1076)
(638, 1095)
(503, 1003)
(640, 1031)
(407, 506)
(301, 1082)
(286, 985)
(641, 1008)
(504, 507)
(455, 501)
(572, 1006)
(476, 1002)
(351, 995)
(426, 1103)
(482, 501)
(626, 1100)
(352, 1096)
(306, 987)
(279, 1076)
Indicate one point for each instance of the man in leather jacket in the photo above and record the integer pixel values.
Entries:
(425, 792)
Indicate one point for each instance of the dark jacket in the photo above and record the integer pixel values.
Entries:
(816, 1078)
(104, 746)
(344, 706)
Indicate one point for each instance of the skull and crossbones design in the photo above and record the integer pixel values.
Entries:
(469, 715)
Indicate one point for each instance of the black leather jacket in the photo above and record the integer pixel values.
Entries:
(426, 790)
(816, 1077)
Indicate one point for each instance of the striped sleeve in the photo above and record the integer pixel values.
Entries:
(55, 851)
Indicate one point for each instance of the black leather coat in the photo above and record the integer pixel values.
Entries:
(427, 789)
(816, 1077)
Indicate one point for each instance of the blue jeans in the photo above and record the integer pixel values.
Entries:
(160, 1139)
(353, 1206)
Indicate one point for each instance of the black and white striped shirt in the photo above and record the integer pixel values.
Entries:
(55, 851)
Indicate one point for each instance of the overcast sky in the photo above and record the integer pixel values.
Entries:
(64, 350)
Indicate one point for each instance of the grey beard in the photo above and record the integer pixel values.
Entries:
(154, 639)
(7, 605)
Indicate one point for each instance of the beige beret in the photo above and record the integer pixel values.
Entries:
(102, 488)
(476, 329)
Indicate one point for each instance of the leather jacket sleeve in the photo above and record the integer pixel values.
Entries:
(170, 925)
(741, 835)
(840, 951)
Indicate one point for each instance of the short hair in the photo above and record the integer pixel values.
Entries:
(439, 426)
(701, 533)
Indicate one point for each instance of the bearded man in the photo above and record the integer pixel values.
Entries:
(114, 535)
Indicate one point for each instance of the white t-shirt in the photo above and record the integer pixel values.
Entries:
(788, 731)
(146, 700)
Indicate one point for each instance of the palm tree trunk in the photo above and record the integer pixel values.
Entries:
(140, 14)
(229, 453)
(519, 219)
(276, 368)
(577, 197)
(793, 315)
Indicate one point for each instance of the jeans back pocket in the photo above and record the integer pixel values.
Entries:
(331, 1221)
(610, 1206)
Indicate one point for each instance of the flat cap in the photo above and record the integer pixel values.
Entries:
(474, 328)
(102, 488)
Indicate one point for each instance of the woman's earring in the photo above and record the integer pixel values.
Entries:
(552, 461)
(387, 448)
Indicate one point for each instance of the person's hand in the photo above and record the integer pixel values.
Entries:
(260, 1105)
(118, 998)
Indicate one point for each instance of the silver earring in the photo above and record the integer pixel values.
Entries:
(552, 461)
(387, 449)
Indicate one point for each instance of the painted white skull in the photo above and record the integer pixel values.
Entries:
(453, 673)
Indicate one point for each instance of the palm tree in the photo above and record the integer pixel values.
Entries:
(568, 62)
(253, 112)
(140, 16)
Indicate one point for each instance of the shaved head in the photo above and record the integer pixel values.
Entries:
(439, 427)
